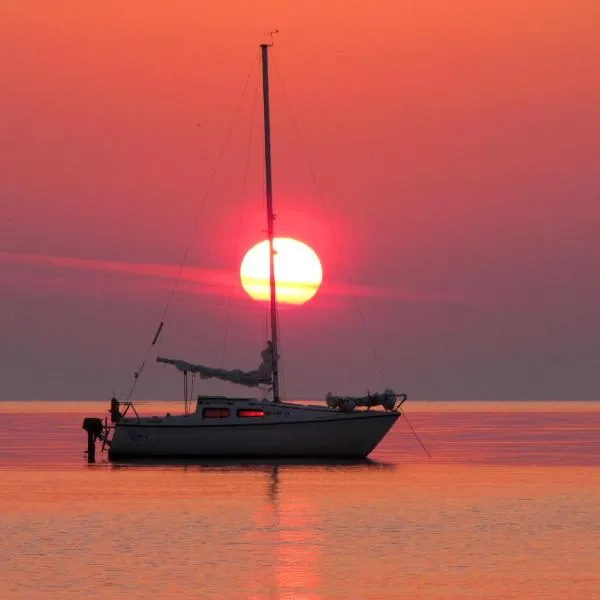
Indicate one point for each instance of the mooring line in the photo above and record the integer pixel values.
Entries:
(415, 434)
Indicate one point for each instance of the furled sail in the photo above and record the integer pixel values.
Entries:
(388, 399)
(261, 376)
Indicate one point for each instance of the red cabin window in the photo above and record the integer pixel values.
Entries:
(215, 413)
(250, 412)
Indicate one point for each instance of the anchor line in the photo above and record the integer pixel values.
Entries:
(416, 436)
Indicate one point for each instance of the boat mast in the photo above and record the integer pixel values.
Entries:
(270, 219)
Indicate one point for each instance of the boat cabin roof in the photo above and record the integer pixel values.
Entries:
(208, 400)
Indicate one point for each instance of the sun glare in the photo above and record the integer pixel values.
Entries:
(298, 271)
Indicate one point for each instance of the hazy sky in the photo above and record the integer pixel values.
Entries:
(455, 146)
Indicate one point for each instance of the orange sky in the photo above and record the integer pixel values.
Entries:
(454, 144)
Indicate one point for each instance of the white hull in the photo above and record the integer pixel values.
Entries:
(286, 431)
(245, 427)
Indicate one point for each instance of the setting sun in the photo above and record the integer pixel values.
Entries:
(298, 271)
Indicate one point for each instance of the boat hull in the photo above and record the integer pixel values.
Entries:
(352, 435)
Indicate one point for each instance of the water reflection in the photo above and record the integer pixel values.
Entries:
(505, 499)
(288, 523)
(225, 464)
(269, 467)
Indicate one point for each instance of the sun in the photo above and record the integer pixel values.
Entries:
(298, 271)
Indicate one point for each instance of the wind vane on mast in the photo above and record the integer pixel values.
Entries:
(272, 33)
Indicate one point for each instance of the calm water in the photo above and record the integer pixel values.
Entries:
(507, 507)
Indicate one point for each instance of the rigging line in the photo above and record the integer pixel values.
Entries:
(210, 183)
(415, 434)
(266, 335)
(329, 224)
(281, 364)
(243, 194)
(199, 212)
(265, 324)
(192, 388)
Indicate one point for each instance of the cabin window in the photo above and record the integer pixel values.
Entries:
(215, 413)
(250, 412)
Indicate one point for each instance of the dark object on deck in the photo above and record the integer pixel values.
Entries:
(94, 430)
(115, 413)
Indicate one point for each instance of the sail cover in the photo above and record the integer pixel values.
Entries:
(261, 376)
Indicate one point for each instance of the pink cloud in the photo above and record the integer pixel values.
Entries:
(193, 280)
(160, 274)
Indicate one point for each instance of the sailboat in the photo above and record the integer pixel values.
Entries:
(220, 427)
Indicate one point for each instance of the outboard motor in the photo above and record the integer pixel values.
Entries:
(94, 430)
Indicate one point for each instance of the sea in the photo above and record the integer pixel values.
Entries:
(492, 500)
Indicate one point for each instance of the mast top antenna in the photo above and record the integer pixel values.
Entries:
(270, 34)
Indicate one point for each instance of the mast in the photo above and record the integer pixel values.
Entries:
(270, 219)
